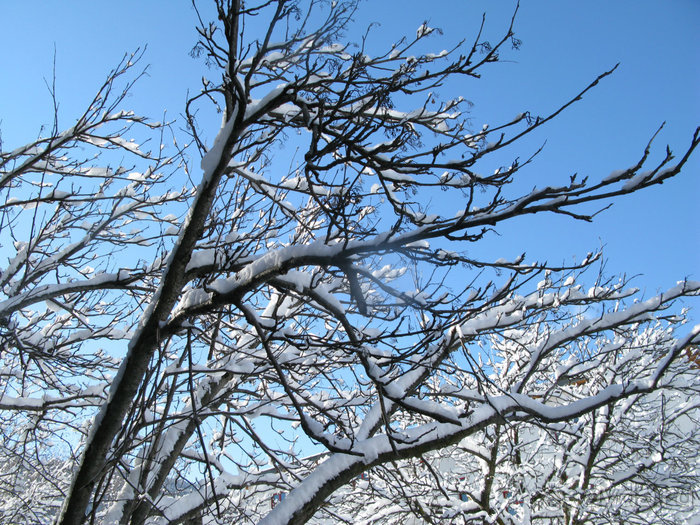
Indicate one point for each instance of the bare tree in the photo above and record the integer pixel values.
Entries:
(329, 297)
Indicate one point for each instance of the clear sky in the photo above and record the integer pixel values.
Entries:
(565, 45)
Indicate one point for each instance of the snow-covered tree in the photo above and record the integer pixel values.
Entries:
(326, 294)
(630, 461)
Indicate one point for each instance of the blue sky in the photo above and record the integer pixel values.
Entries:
(565, 45)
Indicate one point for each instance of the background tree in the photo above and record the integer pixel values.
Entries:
(634, 461)
(319, 297)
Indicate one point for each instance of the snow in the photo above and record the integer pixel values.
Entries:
(191, 298)
(212, 158)
(375, 447)
(635, 181)
(256, 105)
(135, 176)
(424, 30)
(616, 175)
(201, 259)
(43, 292)
(96, 171)
(273, 261)
(20, 403)
(395, 176)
